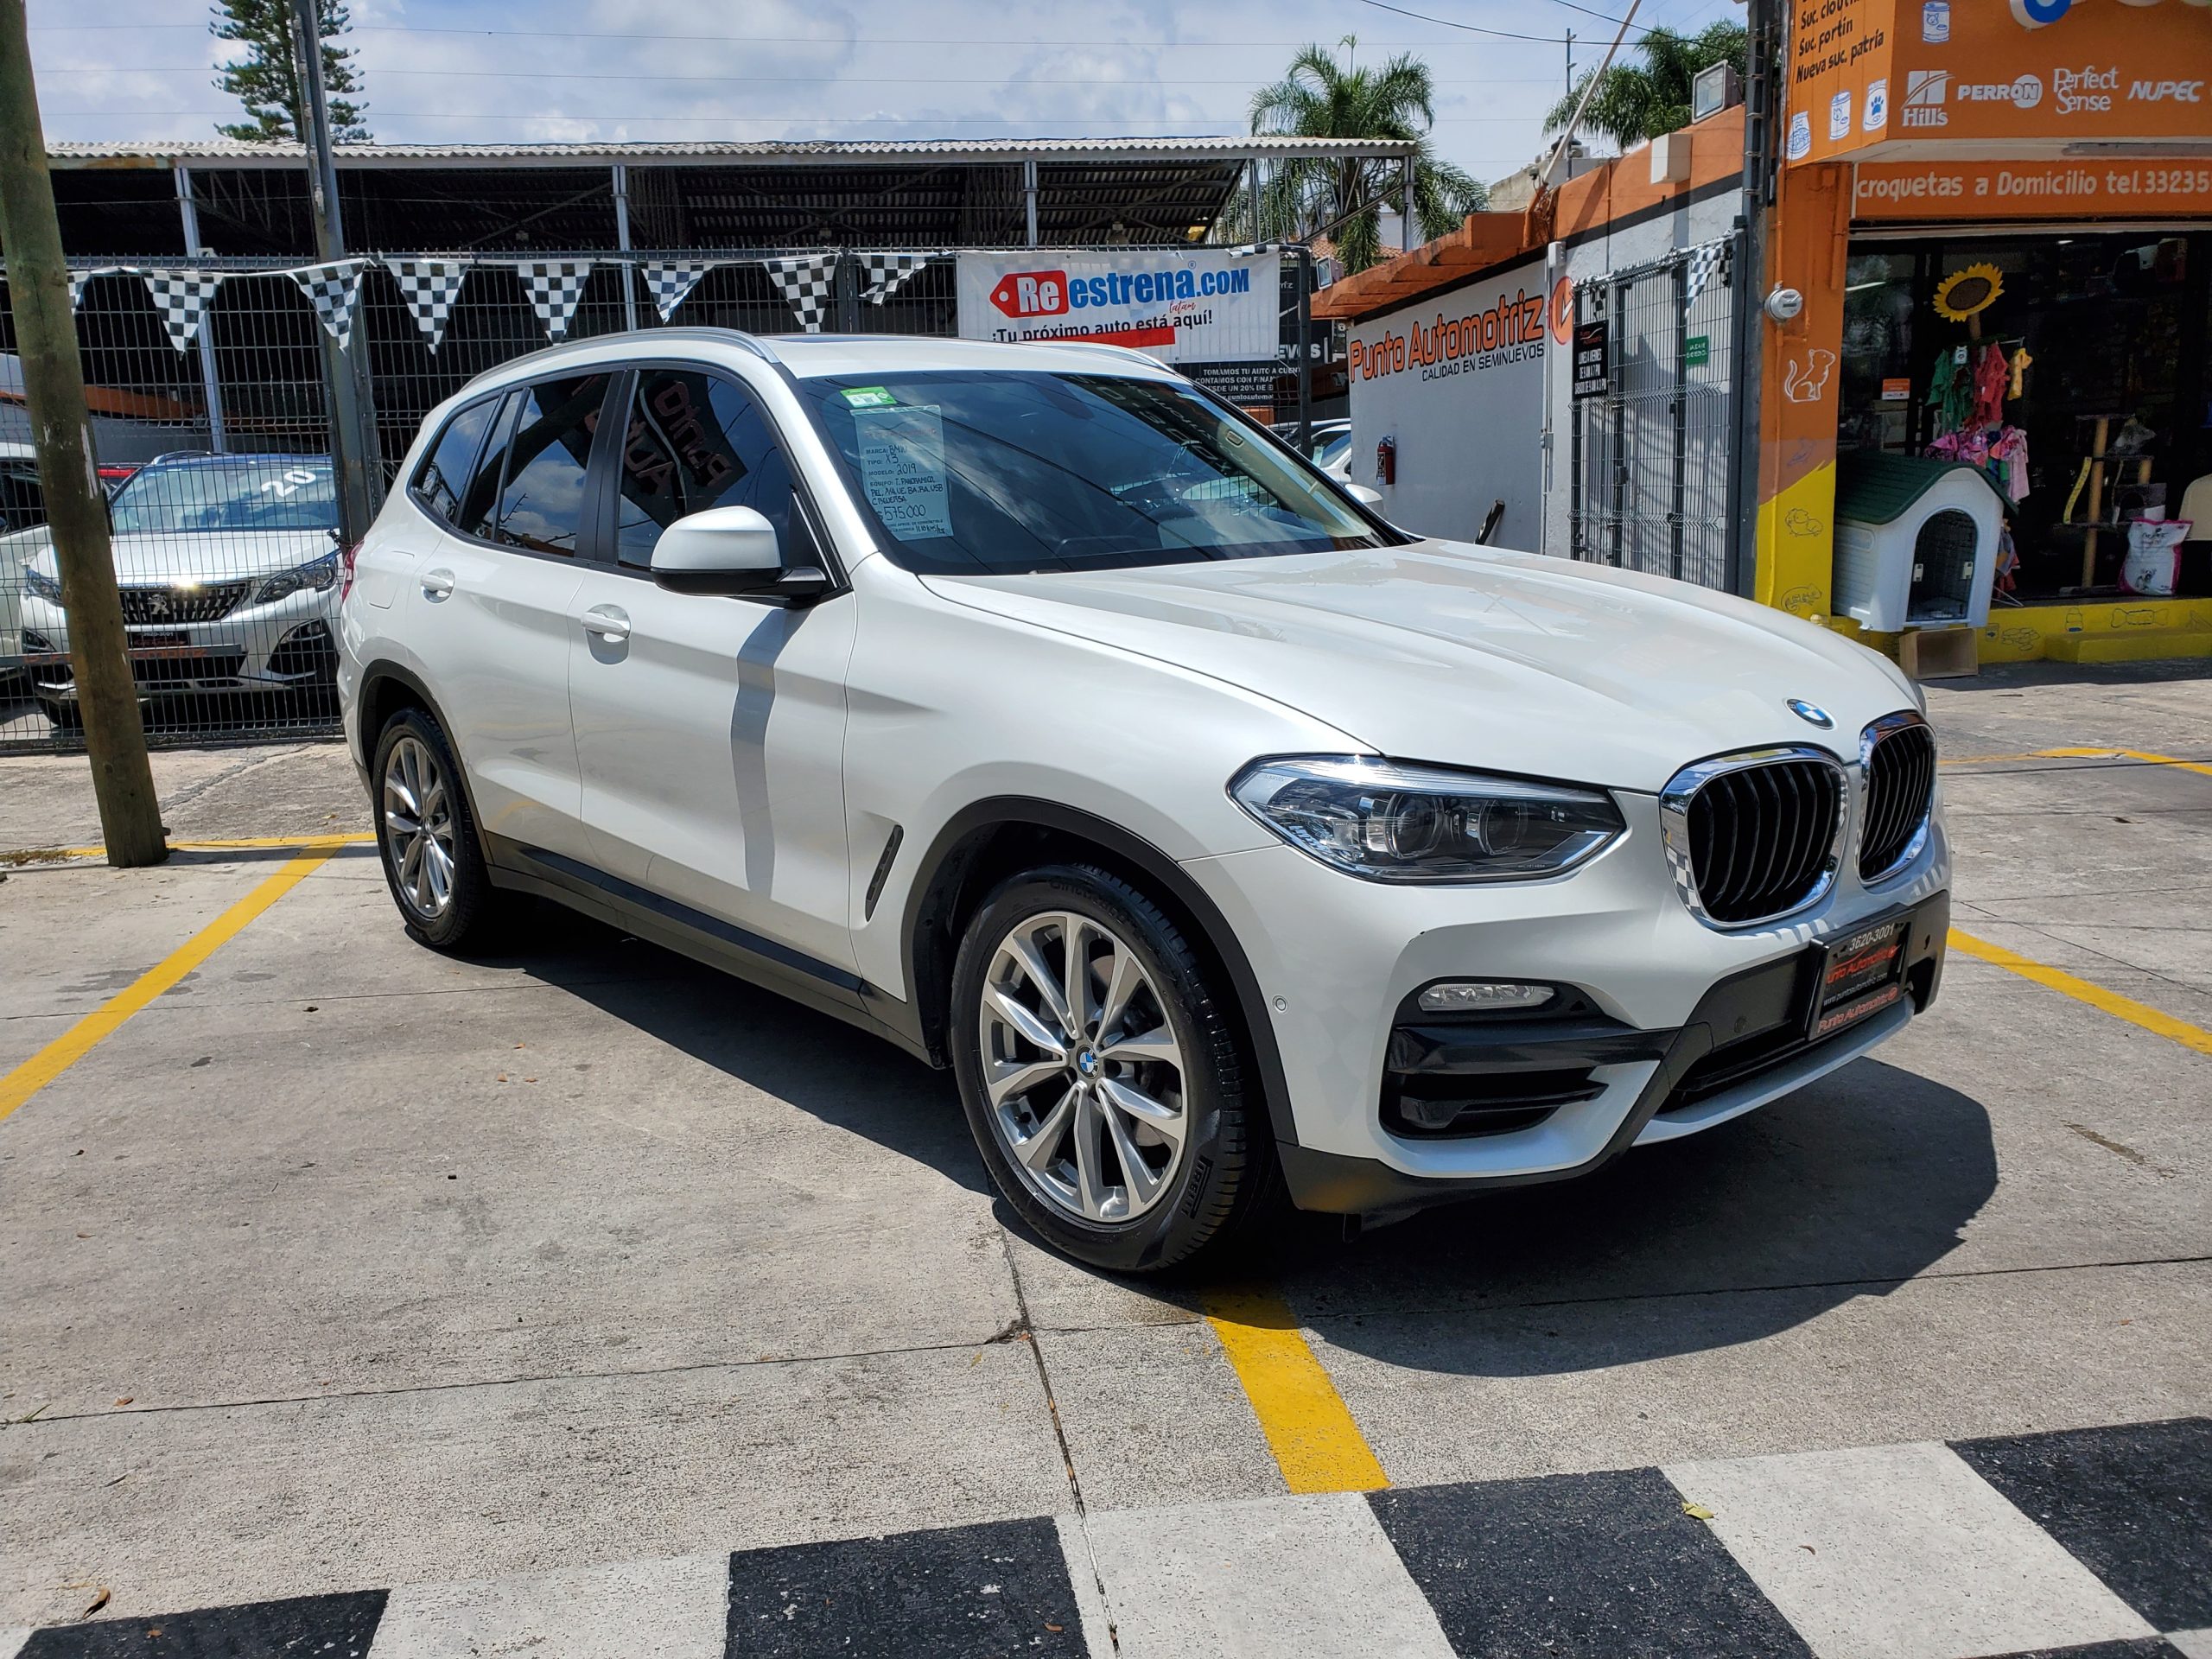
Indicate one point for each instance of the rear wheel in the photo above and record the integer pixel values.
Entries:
(1101, 1072)
(432, 860)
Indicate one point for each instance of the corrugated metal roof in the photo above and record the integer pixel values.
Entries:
(782, 152)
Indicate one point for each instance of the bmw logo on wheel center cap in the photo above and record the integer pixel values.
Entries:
(1812, 713)
(1087, 1063)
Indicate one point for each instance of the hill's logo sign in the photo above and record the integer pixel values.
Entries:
(1196, 307)
(2036, 14)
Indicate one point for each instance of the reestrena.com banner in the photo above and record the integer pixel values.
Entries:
(1195, 305)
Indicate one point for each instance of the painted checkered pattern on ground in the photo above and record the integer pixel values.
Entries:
(554, 287)
(2093, 1542)
(431, 287)
(806, 281)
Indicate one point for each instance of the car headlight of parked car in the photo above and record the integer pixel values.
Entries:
(317, 575)
(1389, 822)
(35, 580)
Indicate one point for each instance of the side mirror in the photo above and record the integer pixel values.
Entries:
(1365, 494)
(721, 550)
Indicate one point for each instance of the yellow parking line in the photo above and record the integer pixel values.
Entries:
(65, 1051)
(2121, 1007)
(1316, 1444)
(45, 855)
(2127, 754)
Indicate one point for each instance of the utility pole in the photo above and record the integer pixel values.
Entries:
(53, 389)
(352, 431)
(1766, 22)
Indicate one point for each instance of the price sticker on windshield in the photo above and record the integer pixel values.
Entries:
(902, 468)
(870, 397)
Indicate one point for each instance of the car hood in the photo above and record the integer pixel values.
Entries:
(1471, 656)
(160, 557)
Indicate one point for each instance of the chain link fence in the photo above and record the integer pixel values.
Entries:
(211, 421)
(1655, 464)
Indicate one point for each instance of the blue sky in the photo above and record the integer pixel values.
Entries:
(461, 70)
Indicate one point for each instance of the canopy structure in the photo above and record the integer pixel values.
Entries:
(252, 199)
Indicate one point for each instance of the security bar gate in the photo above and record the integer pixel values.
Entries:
(226, 552)
(1655, 469)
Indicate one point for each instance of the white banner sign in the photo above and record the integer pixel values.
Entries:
(1181, 306)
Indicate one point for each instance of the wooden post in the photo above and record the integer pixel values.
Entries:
(53, 389)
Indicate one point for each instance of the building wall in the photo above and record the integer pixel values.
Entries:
(1457, 381)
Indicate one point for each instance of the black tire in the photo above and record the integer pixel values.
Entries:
(469, 920)
(66, 714)
(1223, 1173)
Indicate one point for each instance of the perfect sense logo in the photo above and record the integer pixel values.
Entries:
(2038, 14)
(1053, 293)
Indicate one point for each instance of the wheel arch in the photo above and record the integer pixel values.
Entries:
(388, 687)
(991, 839)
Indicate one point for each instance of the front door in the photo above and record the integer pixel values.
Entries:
(710, 731)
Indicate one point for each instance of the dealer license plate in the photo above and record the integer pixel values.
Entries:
(1861, 974)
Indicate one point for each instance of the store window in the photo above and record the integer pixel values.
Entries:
(2071, 369)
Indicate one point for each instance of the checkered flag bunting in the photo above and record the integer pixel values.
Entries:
(429, 287)
(889, 272)
(335, 289)
(806, 283)
(670, 282)
(1704, 262)
(77, 280)
(182, 297)
(555, 286)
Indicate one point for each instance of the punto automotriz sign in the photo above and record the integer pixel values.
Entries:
(1182, 307)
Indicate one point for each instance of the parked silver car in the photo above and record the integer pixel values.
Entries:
(229, 570)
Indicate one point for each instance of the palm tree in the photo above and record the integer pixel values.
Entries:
(1634, 102)
(1342, 199)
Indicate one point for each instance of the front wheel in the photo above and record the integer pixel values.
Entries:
(432, 860)
(1101, 1072)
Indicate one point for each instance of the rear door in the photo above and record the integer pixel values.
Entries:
(709, 730)
(491, 610)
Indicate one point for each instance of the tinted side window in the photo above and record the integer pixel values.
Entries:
(697, 440)
(549, 447)
(443, 479)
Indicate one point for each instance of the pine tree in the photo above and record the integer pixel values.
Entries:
(268, 83)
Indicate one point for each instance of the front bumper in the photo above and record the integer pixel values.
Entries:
(1670, 1026)
(289, 643)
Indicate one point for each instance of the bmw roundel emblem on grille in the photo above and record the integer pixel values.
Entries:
(1812, 713)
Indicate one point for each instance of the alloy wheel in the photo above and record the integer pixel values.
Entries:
(418, 828)
(1081, 1069)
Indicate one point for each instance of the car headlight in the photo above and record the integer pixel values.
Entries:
(37, 582)
(317, 575)
(1390, 822)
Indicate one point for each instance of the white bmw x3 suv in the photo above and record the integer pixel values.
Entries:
(1030, 708)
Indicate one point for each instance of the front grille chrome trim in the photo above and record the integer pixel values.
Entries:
(1682, 789)
(1876, 734)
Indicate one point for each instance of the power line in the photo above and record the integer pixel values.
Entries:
(946, 119)
(771, 80)
(1242, 44)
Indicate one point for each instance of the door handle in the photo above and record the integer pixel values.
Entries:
(609, 622)
(437, 584)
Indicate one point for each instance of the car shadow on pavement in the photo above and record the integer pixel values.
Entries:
(807, 1060)
(1849, 1188)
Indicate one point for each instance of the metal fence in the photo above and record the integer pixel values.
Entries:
(1655, 467)
(226, 551)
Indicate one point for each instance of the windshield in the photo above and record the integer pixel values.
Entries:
(284, 494)
(1327, 452)
(1004, 472)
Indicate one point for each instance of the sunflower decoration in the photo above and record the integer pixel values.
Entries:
(1962, 293)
